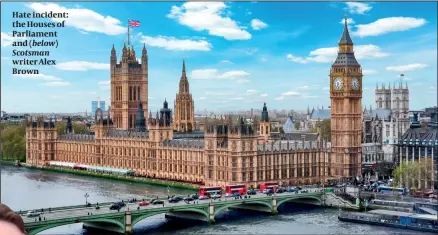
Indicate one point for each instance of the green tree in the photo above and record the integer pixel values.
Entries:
(384, 168)
(297, 124)
(325, 129)
(77, 128)
(13, 142)
(412, 173)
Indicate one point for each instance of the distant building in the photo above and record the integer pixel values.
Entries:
(315, 116)
(289, 126)
(95, 105)
(421, 142)
(395, 98)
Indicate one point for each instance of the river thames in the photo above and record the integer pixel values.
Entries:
(23, 188)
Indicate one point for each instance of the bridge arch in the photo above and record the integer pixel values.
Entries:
(141, 217)
(281, 201)
(219, 208)
(36, 230)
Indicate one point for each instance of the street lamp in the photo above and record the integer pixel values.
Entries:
(86, 197)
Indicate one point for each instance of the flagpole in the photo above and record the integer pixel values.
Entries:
(128, 34)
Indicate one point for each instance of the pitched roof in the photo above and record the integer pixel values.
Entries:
(320, 114)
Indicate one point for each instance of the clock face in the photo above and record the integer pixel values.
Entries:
(337, 84)
(355, 83)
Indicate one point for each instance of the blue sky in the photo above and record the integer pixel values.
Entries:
(238, 54)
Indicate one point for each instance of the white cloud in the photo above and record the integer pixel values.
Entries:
(290, 93)
(309, 96)
(251, 92)
(242, 81)
(202, 98)
(264, 95)
(211, 17)
(82, 19)
(237, 98)
(226, 61)
(104, 85)
(368, 71)
(213, 74)
(279, 98)
(7, 39)
(218, 93)
(408, 67)
(56, 84)
(302, 88)
(257, 24)
(173, 44)
(263, 59)
(387, 25)
(328, 54)
(350, 21)
(38, 76)
(358, 7)
(82, 66)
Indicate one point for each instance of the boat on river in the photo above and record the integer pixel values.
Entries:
(396, 219)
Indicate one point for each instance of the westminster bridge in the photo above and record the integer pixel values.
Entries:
(123, 220)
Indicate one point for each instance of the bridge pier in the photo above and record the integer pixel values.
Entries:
(211, 212)
(274, 210)
(128, 222)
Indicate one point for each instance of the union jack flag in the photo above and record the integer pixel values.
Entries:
(134, 23)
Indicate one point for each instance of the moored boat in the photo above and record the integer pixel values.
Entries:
(396, 219)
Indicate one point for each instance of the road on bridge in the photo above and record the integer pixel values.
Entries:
(84, 211)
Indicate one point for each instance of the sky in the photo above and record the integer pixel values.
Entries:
(238, 54)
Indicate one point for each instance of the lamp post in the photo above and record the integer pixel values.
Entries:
(86, 198)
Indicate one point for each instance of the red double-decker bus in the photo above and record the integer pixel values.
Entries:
(270, 185)
(207, 191)
(239, 188)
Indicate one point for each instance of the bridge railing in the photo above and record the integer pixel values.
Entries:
(76, 218)
(101, 204)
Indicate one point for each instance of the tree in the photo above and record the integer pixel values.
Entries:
(413, 174)
(297, 124)
(77, 128)
(13, 142)
(384, 168)
(325, 129)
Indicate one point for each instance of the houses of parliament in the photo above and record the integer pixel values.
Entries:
(167, 145)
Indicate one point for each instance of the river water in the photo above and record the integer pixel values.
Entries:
(23, 188)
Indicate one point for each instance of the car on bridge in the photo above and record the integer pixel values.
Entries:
(195, 196)
(215, 196)
(115, 206)
(229, 195)
(175, 199)
(203, 197)
(188, 199)
(144, 203)
(33, 214)
(156, 202)
(251, 192)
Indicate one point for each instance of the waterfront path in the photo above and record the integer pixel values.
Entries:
(123, 220)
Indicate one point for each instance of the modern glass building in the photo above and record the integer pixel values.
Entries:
(94, 106)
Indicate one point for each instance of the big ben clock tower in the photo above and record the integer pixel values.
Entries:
(346, 110)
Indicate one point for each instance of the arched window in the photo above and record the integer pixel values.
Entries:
(130, 93)
(135, 93)
(138, 89)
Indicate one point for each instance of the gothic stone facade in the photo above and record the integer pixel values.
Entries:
(222, 154)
